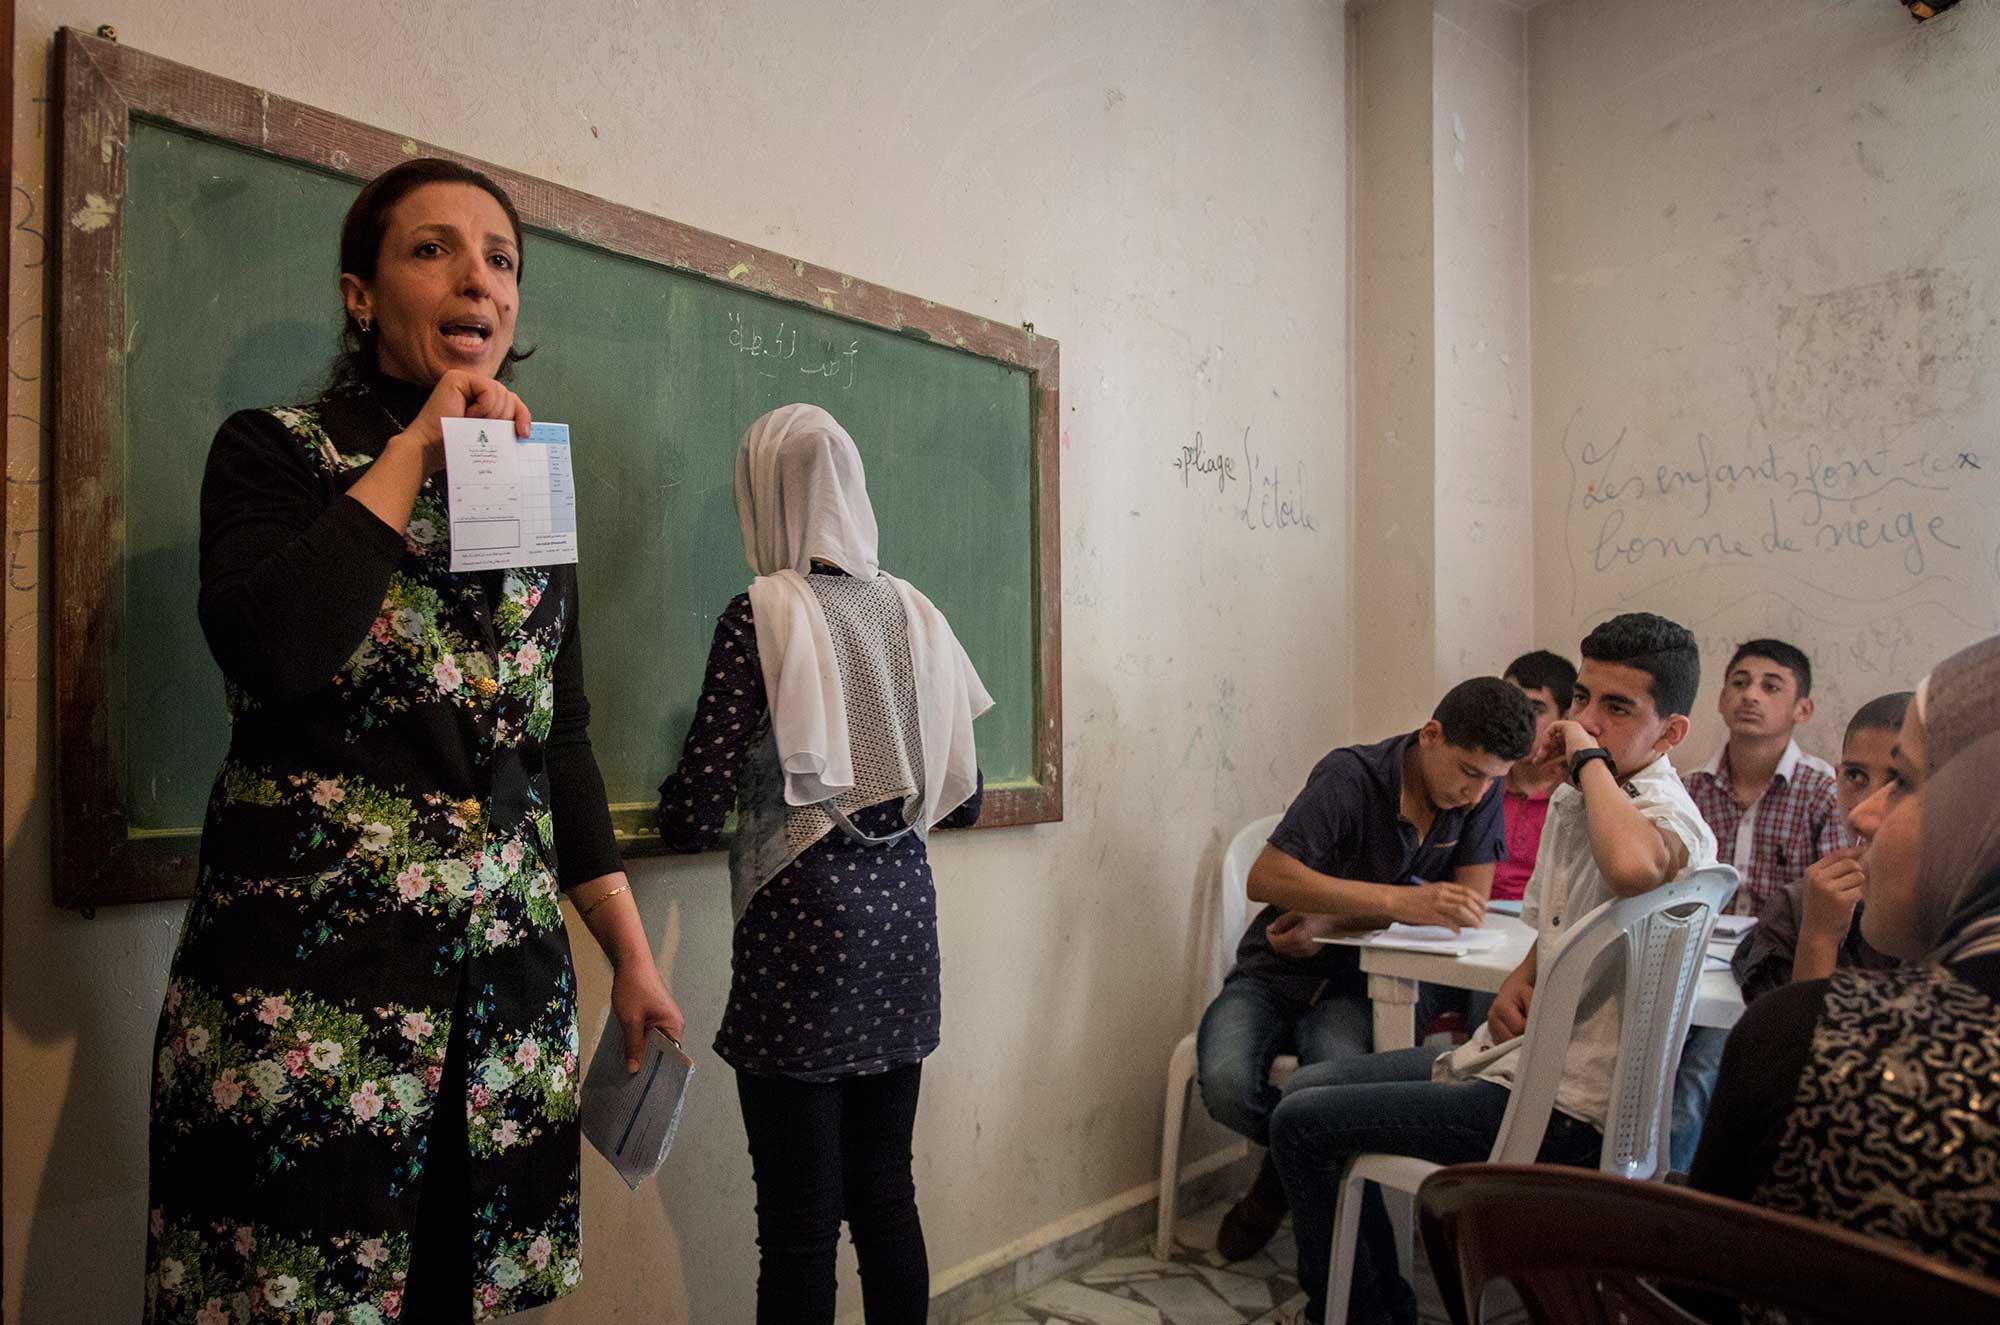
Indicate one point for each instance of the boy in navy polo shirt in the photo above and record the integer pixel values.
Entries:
(1403, 830)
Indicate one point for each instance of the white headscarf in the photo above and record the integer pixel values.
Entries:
(801, 494)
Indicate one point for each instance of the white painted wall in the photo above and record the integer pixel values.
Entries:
(1763, 235)
(1484, 479)
(1395, 371)
(1162, 187)
(1443, 467)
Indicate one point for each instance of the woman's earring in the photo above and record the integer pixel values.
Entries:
(366, 323)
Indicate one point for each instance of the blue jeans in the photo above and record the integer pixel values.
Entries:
(1694, 1085)
(1247, 1026)
(1386, 1103)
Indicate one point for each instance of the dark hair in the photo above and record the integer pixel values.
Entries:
(1487, 714)
(1882, 713)
(361, 236)
(1664, 650)
(1787, 656)
(1542, 670)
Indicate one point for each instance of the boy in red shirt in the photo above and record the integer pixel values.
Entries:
(1547, 679)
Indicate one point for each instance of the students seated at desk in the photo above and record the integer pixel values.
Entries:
(1406, 829)
(1624, 826)
(1774, 812)
(1871, 1099)
(1813, 924)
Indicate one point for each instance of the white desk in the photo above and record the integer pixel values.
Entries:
(1393, 977)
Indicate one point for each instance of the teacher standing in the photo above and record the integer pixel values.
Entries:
(365, 1078)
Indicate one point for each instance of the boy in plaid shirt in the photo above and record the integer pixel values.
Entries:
(1772, 805)
(1773, 811)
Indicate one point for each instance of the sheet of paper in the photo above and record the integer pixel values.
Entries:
(1428, 938)
(513, 499)
(1437, 938)
(631, 1117)
(1734, 927)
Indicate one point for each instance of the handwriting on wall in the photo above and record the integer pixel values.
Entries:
(1273, 495)
(1836, 515)
(775, 351)
(26, 436)
(1860, 467)
(1843, 502)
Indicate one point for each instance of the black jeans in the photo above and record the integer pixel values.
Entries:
(823, 1152)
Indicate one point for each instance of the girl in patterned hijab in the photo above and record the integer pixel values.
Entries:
(1871, 1100)
(1935, 825)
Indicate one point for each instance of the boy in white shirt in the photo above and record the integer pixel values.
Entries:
(1622, 825)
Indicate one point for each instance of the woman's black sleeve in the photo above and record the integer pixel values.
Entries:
(586, 843)
(292, 573)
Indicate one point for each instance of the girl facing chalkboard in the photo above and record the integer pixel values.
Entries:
(365, 1078)
(836, 717)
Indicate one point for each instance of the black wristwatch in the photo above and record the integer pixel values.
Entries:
(1582, 757)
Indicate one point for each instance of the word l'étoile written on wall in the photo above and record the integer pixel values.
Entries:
(775, 350)
(1273, 496)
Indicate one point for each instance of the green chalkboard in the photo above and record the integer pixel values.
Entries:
(226, 281)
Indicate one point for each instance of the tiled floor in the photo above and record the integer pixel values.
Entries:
(1197, 1287)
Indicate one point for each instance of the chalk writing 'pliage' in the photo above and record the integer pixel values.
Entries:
(1271, 500)
(1193, 460)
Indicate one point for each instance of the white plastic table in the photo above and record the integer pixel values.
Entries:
(1393, 976)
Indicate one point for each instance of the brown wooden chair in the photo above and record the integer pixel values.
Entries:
(1582, 1247)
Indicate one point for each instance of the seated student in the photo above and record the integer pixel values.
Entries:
(1771, 804)
(1774, 812)
(1402, 830)
(1813, 925)
(1623, 826)
(1871, 1099)
(1547, 679)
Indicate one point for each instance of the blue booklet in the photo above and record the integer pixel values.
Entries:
(631, 1116)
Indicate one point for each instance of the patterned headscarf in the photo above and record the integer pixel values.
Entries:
(1958, 872)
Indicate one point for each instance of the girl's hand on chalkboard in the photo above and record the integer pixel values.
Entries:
(462, 395)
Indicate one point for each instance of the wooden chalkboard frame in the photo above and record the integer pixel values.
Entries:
(102, 86)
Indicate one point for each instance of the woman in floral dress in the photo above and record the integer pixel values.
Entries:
(365, 1079)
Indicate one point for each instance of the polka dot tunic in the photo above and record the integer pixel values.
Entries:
(834, 971)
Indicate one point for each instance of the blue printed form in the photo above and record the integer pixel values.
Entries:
(513, 499)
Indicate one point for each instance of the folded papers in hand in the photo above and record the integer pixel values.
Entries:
(631, 1116)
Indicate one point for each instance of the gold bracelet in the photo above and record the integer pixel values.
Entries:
(623, 887)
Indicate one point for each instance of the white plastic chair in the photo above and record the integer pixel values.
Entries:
(1231, 907)
(1662, 936)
